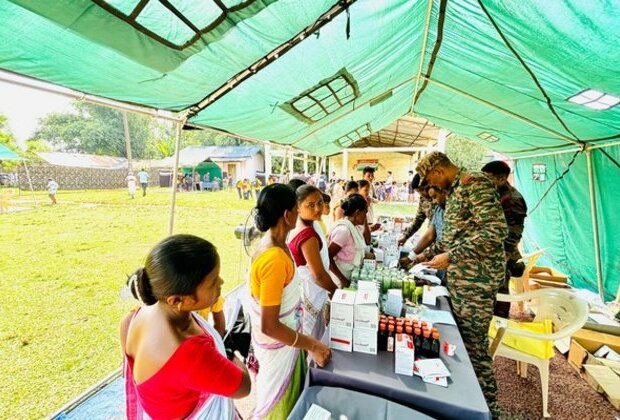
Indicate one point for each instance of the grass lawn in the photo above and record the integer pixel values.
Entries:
(62, 268)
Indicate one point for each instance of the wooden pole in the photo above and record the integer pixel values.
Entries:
(127, 142)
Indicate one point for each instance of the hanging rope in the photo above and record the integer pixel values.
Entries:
(555, 181)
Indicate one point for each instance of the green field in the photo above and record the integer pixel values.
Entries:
(62, 268)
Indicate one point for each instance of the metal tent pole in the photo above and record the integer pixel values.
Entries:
(30, 183)
(127, 141)
(175, 170)
(427, 24)
(597, 249)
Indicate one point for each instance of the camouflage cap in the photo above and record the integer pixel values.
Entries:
(428, 162)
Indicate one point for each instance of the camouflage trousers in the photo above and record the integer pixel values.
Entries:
(473, 298)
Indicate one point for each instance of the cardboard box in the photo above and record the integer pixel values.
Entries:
(366, 312)
(584, 344)
(365, 340)
(340, 338)
(342, 305)
(403, 355)
(605, 381)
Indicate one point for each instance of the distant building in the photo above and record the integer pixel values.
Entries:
(237, 162)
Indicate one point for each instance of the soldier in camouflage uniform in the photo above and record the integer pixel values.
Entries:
(425, 210)
(472, 251)
(515, 210)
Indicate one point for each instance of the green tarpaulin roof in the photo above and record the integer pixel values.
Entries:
(354, 75)
(321, 74)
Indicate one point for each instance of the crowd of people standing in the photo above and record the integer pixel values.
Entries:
(476, 220)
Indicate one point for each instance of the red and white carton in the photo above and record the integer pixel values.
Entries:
(340, 338)
(341, 311)
(404, 355)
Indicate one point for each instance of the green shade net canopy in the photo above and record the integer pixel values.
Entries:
(8, 154)
(523, 78)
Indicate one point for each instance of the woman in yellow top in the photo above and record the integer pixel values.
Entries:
(274, 303)
(217, 310)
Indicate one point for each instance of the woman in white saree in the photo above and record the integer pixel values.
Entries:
(308, 247)
(347, 244)
(273, 301)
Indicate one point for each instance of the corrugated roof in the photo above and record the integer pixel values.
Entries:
(79, 160)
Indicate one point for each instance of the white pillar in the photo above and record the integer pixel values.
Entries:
(441, 140)
(305, 163)
(345, 164)
(283, 167)
(268, 165)
(291, 162)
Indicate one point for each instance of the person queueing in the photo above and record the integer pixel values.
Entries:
(515, 210)
(365, 191)
(351, 187)
(425, 210)
(309, 249)
(347, 243)
(326, 209)
(472, 251)
(175, 362)
(273, 304)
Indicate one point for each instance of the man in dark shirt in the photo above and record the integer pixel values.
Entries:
(515, 210)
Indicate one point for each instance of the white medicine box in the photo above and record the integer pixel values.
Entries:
(366, 313)
(340, 338)
(341, 312)
(365, 340)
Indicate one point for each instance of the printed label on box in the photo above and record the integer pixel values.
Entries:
(403, 355)
(342, 307)
(340, 338)
(365, 340)
(366, 309)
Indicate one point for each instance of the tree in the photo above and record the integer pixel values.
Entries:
(33, 146)
(95, 129)
(161, 144)
(465, 153)
(7, 139)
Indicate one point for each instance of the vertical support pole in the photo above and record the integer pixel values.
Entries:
(305, 163)
(268, 163)
(597, 248)
(283, 167)
(175, 170)
(345, 164)
(34, 199)
(127, 142)
(442, 136)
(291, 163)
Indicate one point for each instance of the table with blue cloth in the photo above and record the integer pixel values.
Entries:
(352, 405)
(374, 375)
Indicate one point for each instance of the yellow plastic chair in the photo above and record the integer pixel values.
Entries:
(567, 314)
